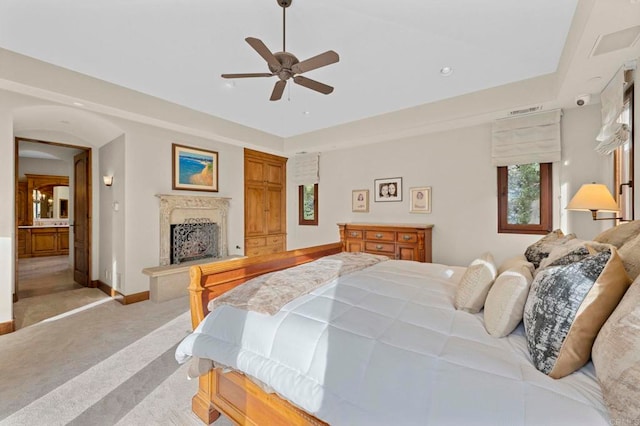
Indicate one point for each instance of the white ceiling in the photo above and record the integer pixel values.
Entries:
(507, 55)
(390, 52)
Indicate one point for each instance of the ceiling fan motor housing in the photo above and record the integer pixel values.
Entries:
(287, 60)
(284, 3)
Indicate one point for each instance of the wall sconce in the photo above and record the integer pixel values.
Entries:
(594, 197)
(108, 180)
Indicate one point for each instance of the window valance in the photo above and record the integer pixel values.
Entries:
(305, 169)
(533, 138)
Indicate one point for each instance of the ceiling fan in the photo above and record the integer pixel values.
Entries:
(285, 65)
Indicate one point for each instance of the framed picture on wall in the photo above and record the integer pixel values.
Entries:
(420, 199)
(360, 200)
(194, 169)
(387, 189)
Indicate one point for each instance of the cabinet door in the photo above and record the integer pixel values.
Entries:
(408, 252)
(255, 210)
(63, 241)
(21, 204)
(355, 245)
(274, 174)
(43, 242)
(254, 171)
(276, 211)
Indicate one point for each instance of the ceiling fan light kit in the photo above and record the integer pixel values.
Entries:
(285, 65)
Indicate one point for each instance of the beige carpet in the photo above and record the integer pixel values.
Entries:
(106, 365)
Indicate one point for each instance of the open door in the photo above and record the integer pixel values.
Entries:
(82, 218)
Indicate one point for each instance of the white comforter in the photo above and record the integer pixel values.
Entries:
(384, 346)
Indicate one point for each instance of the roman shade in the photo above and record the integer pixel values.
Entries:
(612, 133)
(305, 169)
(533, 138)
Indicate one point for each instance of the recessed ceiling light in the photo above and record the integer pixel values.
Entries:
(446, 71)
(78, 104)
(306, 112)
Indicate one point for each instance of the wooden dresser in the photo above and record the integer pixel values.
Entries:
(397, 241)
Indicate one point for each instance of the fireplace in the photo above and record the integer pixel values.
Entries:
(202, 228)
(194, 239)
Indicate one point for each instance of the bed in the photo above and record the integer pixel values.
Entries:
(382, 345)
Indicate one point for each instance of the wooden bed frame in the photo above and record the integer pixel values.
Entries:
(231, 392)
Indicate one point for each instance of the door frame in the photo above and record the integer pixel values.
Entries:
(16, 167)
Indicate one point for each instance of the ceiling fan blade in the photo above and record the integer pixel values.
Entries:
(257, 74)
(264, 51)
(278, 89)
(312, 84)
(327, 58)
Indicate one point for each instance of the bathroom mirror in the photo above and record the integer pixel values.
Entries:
(51, 202)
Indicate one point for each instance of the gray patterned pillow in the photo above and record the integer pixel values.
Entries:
(566, 307)
(573, 256)
(539, 250)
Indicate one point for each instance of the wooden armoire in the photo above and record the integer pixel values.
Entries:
(265, 203)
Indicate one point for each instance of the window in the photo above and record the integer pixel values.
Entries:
(525, 198)
(308, 204)
(623, 162)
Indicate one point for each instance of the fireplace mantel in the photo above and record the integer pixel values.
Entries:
(176, 208)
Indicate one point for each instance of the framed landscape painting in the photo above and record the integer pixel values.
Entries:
(194, 169)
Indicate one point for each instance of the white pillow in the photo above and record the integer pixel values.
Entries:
(504, 306)
(475, 284)
(512, 262)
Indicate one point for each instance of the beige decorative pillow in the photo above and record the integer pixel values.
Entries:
(630, 254)
(504, 306)
(475, 284)
(616, 356)
(618, 235)
(515, 261)
(566, 307)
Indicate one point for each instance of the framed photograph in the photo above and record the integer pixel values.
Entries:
(194, 169)
(420, 199)
(387, 189)
(360, 200)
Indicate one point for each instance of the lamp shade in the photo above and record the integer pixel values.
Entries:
(593, 197)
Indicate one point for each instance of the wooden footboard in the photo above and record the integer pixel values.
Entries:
(232, 393)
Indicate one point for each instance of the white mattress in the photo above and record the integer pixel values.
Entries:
(384, 346)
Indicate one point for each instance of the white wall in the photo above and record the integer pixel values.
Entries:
(7, 221)
(148, 172)
(41, 166)
(113, 251)
(457, 165)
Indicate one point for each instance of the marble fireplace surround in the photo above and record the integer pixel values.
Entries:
(174, 209)
(171, 281)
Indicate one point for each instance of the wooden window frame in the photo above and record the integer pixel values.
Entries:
(301, 219)
(546, 204)
(628, 96)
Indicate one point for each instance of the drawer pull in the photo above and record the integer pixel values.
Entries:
(353, 233)
(379, 247)
(378, 235)
(406, 237)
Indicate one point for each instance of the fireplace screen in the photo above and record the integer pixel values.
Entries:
(194, 239)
